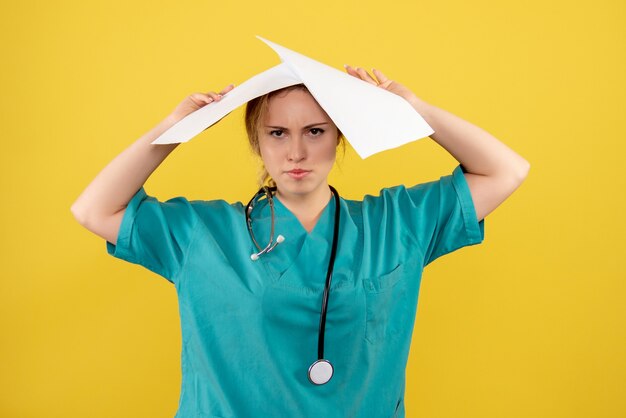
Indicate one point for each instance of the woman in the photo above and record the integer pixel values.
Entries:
(256, 340)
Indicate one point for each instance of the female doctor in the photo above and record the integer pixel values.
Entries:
(301, 303)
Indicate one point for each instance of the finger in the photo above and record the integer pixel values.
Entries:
(351, 71)
(227, 89)
(214, 96)
(201, 99)
(365, 76)
(384, 82)
(379, 75)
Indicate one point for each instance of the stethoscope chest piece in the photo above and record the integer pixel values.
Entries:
(320, 372)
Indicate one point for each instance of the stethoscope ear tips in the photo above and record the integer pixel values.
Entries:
(255, 256)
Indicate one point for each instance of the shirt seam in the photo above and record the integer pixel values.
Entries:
(471, 224)
(177, 276)
(413, 233)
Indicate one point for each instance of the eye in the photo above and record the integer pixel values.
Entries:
(316, 131)
(278, 133)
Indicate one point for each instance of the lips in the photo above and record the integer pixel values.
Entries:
(298, 173)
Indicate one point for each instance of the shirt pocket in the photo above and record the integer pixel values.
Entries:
(386, 305)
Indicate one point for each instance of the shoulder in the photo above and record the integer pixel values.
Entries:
(182, 208)
(422, 193)
(214, 206)
(199, 205)
(392, 196)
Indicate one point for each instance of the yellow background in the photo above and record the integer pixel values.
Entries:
(532, 323)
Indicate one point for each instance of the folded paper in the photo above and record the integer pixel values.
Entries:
(371, 118)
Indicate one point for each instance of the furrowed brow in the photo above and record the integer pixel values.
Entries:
(306, 127)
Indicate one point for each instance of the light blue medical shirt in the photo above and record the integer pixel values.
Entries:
(250, 328)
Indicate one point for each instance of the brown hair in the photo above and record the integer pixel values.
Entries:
(256, 109)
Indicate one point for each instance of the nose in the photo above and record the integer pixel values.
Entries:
(297, 150)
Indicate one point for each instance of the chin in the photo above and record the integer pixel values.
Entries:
(300, 188)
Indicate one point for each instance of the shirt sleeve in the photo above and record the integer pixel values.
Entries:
(155, 234)
(443, 215)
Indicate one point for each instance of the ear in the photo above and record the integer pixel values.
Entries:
(339, 135)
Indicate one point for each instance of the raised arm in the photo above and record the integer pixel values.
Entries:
(493, 170)
(101, 206)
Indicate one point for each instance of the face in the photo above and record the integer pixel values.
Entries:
(298, 144)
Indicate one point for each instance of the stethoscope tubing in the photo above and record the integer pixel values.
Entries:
(321, 370)
(271, 244)
(329, 274)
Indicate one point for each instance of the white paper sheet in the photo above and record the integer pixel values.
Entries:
(371, 118)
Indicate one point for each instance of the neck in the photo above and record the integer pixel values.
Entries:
(307, 208)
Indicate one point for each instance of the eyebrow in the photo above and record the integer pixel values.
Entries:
(306, 127)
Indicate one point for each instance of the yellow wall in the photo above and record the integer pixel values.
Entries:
(529, 324)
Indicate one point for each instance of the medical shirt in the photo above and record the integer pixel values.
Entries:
(250, 328)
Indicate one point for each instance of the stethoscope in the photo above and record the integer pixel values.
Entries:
(321, 370)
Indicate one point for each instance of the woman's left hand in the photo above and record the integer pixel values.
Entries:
(383, 82)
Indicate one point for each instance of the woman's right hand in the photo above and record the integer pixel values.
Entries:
(195, 101)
